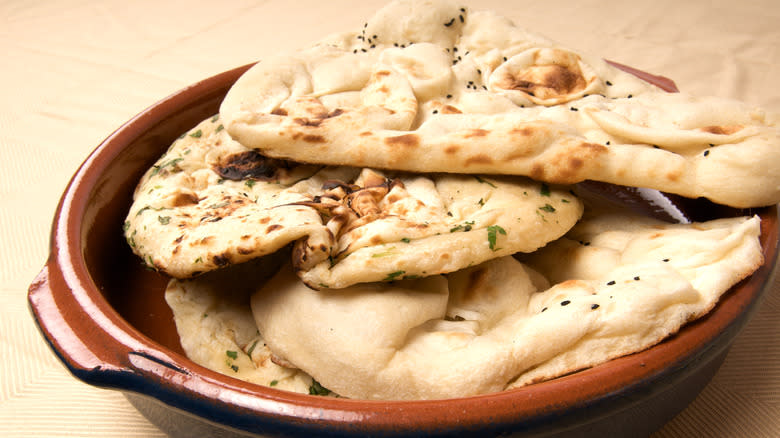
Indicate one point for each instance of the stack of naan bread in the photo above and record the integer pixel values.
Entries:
(389, 214)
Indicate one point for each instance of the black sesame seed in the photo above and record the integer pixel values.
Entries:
(373, 46)
(666, 260)
(544, 309)
(706, 153)
(610, 283)
(436, 111)
(449, 23)
(565, 302)
(607, 142)
(630, 96)
(449, 96)
(609, 84)
(461, 18)
(484, 87)
(374, 37)
(479, 71)
(595, 306)
(504, 58)
(636, 278)
(574, 109)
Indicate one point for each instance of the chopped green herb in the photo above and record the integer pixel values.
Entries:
(219, 205)
(394, 275)
(252, 348)
(493, 230)
(215, 118)
(406, 240)
(126, 226)
(197, 134)
(198, 260)
(544, 190)
(250, 183)
(481, 202)
(219, 128)
(161, 166)
(317, 389)
(548, 208)
(483, 181)
(390, 251)
(273, 383)
(231, 354)
(131, 239)
(165, 220)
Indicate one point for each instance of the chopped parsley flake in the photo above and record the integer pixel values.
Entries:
(548, 208)
(252, 348)
(197, 134)
(250, 183)
(394, 275)
(165, 220)
(483, 181)
(544, 190)
(317, 389)
(170, 163)
(493, 231)
(406, 240)
(273, 383)
(390, 251)
(232, 354)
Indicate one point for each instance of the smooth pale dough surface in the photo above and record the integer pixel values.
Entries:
(504, 324)
(210, 202)
(216, 328)
(433, 87)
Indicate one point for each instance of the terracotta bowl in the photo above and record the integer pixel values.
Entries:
(104, 316)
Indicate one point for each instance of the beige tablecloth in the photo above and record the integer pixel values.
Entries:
(73, 71)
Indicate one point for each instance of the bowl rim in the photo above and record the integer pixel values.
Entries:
(99, 347)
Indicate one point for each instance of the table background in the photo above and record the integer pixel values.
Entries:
(72, 71)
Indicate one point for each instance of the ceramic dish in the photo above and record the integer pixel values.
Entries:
(104, 316)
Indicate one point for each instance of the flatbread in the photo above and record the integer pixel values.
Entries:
(210, 202)
(503, 324)
(432, 87)
(217, 331)
(407, 225)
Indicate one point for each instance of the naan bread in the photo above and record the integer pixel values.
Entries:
(503, 324)
(209, 202)
(217, 331)
(407, 225)
(430, 87)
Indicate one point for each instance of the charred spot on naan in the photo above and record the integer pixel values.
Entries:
(722, 130)
(570, 165)
(251, 165)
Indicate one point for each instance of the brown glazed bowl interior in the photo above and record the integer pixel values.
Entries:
(104, 316)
